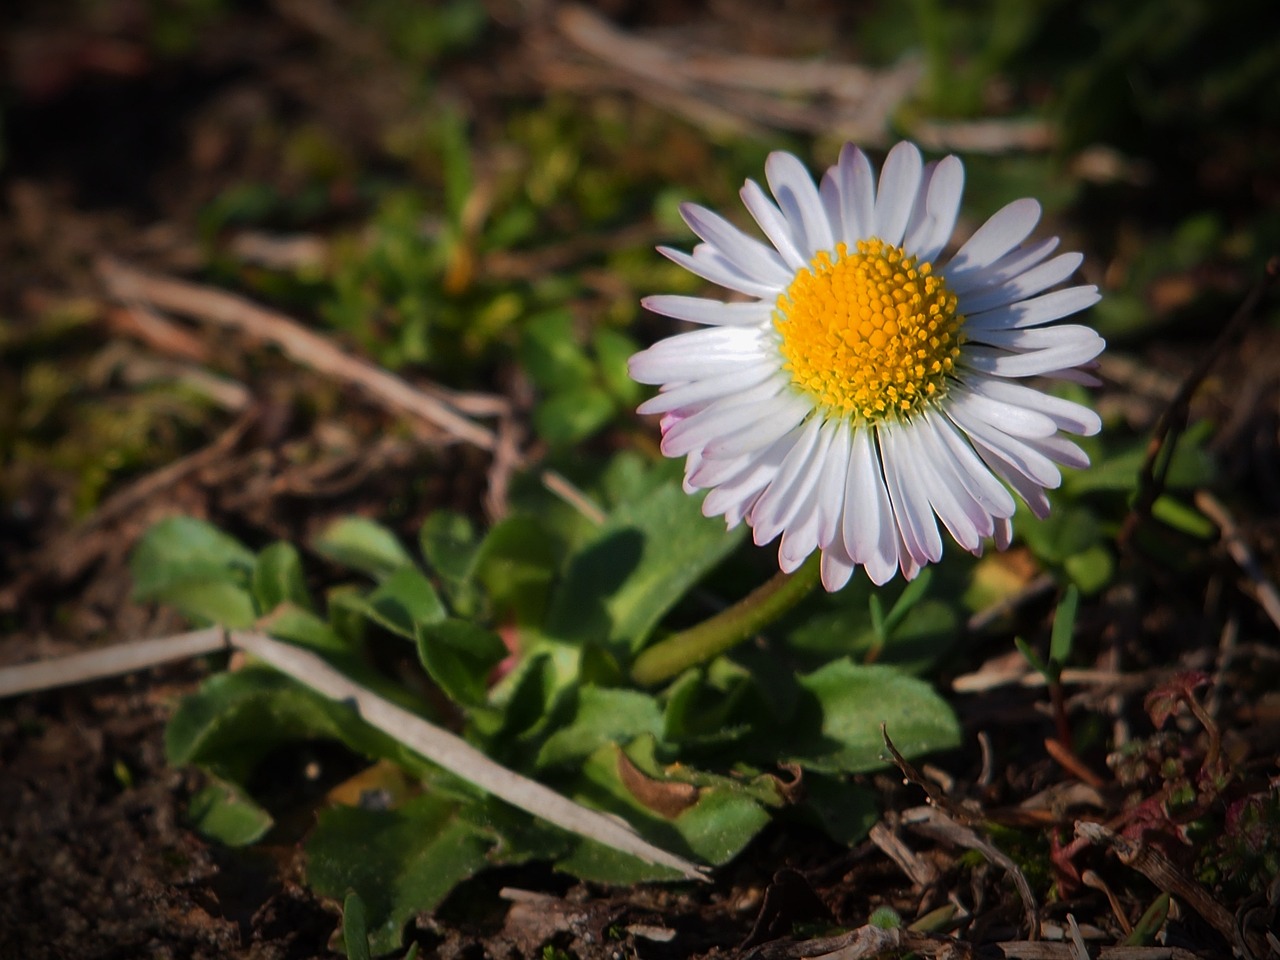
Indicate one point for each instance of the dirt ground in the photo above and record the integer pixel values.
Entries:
(111, 148)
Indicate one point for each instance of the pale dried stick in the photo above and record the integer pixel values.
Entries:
(110, 661)
(437, 745)
(456, 755)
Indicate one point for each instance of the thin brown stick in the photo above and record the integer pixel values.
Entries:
(1166, 875)
(318, 353)
(1264, 589)
(1168, 429)
(61, 553)
(298, 343)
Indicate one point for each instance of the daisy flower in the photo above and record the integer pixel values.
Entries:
(868, 386)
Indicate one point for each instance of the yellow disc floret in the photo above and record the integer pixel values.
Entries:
(871, 335)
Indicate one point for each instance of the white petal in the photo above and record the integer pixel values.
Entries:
(728, 414)
(941, 204)
(790, 489)
(1016, 261)
(964, 519)
(1039, 362)
(740, 491)
(1026, 339)
(870, 534)
(707, 263)
(1036, 311)
(712, 388)
(800, 538)
(690, 468)
(831, 485)
(1023, 286)
(1061, 450)
(911, 507)
(1003, 534)
(1068, 416)
(774, 225)
(1030, 462)
(1009, 418)
(857, 182)
(1007, 228)
(710, 312)
(653, 366)
(750, 256)
(1031, 492)
(1082, 375)
(799, 201)
(837, 565)
(743, 343)
(899, 187)
(965, 463)
(787, 411)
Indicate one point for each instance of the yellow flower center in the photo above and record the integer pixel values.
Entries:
(870, 335)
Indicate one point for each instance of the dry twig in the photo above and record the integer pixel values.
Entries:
(1164, 439)
(1166, 876)
(1264, 589)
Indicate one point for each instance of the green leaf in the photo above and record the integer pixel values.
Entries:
(613, 350)
(570, 416)
(224, 812)
(846, 811)
(1069, 530)
(912, 594)
(715, 828)
(236, 719)
(843, 625)
(517, 563)
(355, 930)
(1029, 654)
(304, 628)
(460, 655)
(362, 545)
(601, 716)
(849, 704)
(551, 355)
(278, 578)
(186, 549)
(449, 544)
(208, 601)
(1064, 625)
(402, 603)
(1183, 518)
(643, 559)
(1090, 569)
(401, 862)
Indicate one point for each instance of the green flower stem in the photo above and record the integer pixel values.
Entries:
(728, 628)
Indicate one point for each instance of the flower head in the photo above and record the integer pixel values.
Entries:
(868, 386)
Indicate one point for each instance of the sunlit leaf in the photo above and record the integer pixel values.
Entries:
(278, 578)
(638, 565)
(404, 601)
(601, 716)
(362, 545)
(186, 549)
(459, 655)
(850, 702)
